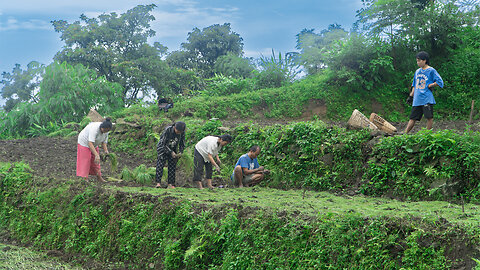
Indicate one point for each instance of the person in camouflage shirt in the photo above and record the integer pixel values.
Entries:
(169, 149)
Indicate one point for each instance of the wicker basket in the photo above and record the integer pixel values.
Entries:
(95, 116)
(382, 124)
(358, 120)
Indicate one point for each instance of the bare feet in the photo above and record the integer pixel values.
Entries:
(100, 179)
(209, 184)
(158, 185)
(199, 184)
(170, 186)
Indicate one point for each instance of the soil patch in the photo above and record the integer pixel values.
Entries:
(57, 157)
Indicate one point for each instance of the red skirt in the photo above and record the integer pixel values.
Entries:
(86, 162)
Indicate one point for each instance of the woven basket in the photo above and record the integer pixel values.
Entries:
(95, 116)
(358, 120)
(382, 124)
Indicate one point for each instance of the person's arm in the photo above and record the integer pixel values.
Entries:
(412, 91)
(432, 85)
(218, 160)
(437, 80)
(181, 144)
(105, 149)
(246, 171)
(210, 158)
(94, 152)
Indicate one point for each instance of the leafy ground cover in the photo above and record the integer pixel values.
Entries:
(235, 228)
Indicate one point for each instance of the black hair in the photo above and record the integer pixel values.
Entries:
(107, 123)
(226, 138)
(423, 56)
(180, 126)
(254, 148)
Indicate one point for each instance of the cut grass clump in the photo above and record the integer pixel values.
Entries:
(141, 174)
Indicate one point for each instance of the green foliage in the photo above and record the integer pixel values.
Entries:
(426, 165)
(116, 47)
(361, 64)
(316, 48)
(281, 103)
(140, 231)
(127, 174)
(234, 66)
(204, 47)
(66, 95)
(276, 70)
(224, 86)
(304, 154)
(112, 157)
(140, 174)
(20, 85)
(141, 140)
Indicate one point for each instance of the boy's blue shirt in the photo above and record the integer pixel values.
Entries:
(422, 78)
(246, 162)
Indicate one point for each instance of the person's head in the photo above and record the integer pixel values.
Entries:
(423, 59)
(106, 125)
(225, 139)
(179, 127)
(254, 151)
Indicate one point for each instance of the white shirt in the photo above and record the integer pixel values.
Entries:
(208, 145)
(92, 133)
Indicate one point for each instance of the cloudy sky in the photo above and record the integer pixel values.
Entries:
(26, 33)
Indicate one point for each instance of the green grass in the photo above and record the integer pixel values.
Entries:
(17, 258)
(313, 203)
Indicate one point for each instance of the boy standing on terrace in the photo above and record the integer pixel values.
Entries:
(424, 80)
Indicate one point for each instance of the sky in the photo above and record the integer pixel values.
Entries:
(26, 32)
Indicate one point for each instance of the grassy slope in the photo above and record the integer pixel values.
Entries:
(311, 203)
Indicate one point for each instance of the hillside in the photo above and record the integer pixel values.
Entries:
(378, 231)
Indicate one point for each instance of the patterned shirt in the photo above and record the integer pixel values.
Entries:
(169, 140)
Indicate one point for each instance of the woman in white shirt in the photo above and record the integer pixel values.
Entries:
(205, 151)
(88, 155)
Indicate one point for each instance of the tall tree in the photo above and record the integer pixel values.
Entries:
(420, 24)
(234, 66)
(114, 46)
(20, 85)
(316, 48)
(205, 46)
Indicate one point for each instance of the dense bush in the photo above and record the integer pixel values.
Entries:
(304, 154)
(426, 165)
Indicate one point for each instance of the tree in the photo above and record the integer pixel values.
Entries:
(20, 85)
(205, 46)
(234, 66)
(418, 24)
(115, 46)
(66, 95)
(316, 48)
(68, 92)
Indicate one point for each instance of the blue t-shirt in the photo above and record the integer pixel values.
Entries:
(422, 78)
(246, 162)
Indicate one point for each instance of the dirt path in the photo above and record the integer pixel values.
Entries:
(56, 157)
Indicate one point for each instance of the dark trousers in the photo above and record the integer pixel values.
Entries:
(198, 164)
(172, 165)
